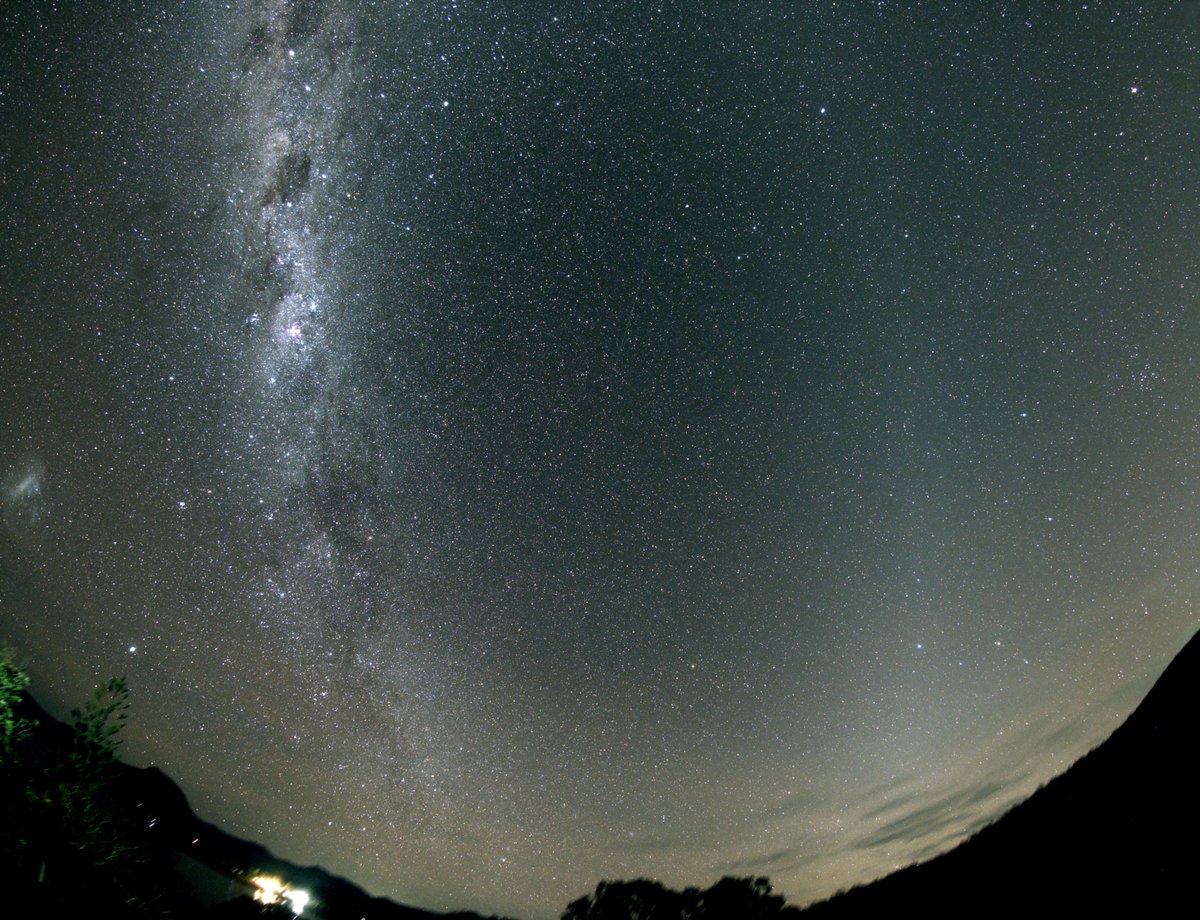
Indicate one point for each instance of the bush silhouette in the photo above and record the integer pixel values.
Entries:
(644, 899)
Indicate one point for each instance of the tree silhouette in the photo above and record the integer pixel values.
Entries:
(73, 830)
(80, 788)
(743, 898)
(644, 899)
(14, 804)
(641, 899)
(13, 681)
(61, 829)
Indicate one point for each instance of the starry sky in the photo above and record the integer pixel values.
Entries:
(513, 444)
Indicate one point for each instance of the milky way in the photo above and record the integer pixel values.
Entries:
(510, 445)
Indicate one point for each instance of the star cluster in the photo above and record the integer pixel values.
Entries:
(512, 445)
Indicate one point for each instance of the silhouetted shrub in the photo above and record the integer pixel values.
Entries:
(643, 899)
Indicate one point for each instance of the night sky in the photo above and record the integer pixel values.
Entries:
(509, 445)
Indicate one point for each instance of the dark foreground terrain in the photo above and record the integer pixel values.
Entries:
(1114, 833)
(148, 855)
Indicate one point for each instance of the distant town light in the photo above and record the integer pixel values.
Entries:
(272, 890)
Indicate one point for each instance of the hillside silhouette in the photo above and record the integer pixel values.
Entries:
(1108, 835)
(1114, 833)
(193, 869)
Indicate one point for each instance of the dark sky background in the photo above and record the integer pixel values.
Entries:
(509, 445)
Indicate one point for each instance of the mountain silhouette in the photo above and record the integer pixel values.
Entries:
(1114, 833)
(201, 868)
